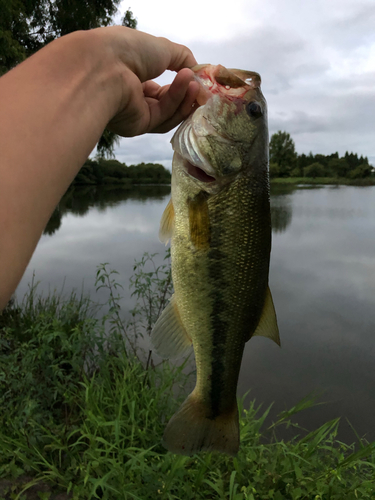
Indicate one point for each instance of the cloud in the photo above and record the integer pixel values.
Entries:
(317, 64)
(351, 26)
(147, 148)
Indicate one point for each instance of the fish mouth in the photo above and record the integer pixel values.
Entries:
(231, 84)
(197, 173)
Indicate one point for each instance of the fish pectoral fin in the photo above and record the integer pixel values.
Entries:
(169, 337)
(267, 326)
(199, 221)
(167, 223)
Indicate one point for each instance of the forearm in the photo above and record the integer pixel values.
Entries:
(54, 108)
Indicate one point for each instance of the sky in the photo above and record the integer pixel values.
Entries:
(316, 59)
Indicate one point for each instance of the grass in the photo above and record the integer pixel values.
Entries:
(368, 181)
(82, 415)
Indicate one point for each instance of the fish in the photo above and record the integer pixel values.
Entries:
(219, 224)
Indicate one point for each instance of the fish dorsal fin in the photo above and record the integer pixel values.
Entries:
(267, 326)
(169, 337)
(199, 221)
(167, 223)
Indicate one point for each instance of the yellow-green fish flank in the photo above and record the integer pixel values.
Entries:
(220, 230)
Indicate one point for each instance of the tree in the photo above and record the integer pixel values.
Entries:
(322, 159)
(129, 20)
(283, 152)
(352, 160)
(339, 167)
(27, 25)
(106, 145)
(18, 31)
(304, 160)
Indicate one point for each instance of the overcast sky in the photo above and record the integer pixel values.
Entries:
(316, 59)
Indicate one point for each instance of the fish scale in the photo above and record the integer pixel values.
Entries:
(220, 232)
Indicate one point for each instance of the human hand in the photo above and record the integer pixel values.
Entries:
(146, 106)
(59, 101)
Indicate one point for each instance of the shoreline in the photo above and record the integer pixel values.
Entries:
(335, 181)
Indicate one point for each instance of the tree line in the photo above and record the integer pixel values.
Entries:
(286, 162)
(102, 171)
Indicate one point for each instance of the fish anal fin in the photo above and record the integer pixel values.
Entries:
(169, 337)
(190, 430)
(167, 223)
(199, 221)
(267, 326)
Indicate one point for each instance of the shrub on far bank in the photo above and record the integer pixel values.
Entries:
(315, 170)
(274, 170)
(361, 172)
(296, 172)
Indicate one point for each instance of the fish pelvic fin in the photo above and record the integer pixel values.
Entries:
(190, 430)
(167, 223)
(267, 326)
(168, 337)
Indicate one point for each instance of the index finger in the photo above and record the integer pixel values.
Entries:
(149, 56)
(181, 56)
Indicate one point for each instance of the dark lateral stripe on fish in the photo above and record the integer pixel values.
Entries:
(219, 325)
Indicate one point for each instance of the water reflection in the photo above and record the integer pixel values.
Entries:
(281, 207)
(79, 200)
(322, 279)
(95, 225)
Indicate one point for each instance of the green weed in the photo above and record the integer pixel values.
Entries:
(83, 416)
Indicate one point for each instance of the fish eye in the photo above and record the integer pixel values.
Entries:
(254, 109)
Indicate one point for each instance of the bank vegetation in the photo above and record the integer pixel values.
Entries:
(287, 166)
(83, 409)
(100, 171)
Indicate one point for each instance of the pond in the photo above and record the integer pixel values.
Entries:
(322, 279)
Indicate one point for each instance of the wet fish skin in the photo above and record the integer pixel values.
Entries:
(220, 229)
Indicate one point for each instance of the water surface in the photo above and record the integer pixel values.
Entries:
(322, 279)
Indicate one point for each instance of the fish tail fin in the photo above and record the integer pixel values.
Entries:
(190, 430)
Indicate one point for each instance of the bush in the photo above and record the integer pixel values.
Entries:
(296, 172)
(314, 170)
(274, 170)
(360, 172)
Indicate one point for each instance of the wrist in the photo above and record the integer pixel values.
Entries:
(87, 58)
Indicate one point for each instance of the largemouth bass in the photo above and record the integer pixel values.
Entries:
(220, 228)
